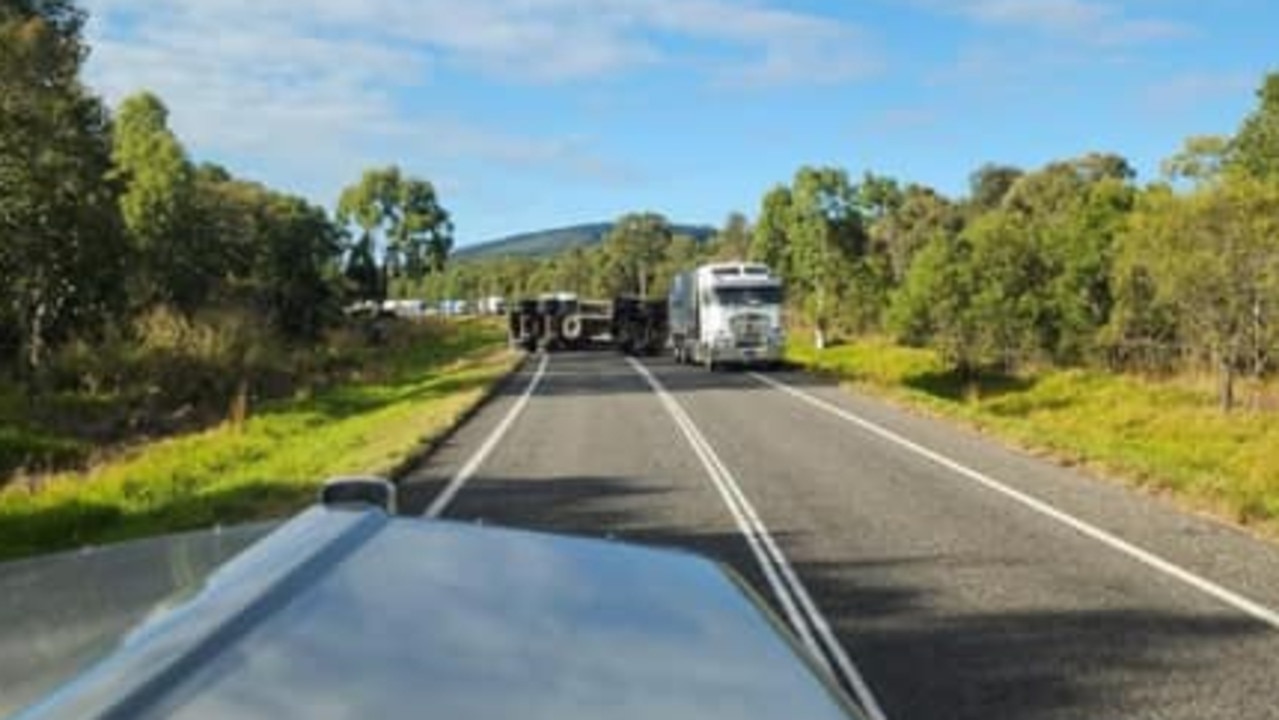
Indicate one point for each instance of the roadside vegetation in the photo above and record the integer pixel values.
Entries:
(405, 393)
(1165, 435)
(177, 345)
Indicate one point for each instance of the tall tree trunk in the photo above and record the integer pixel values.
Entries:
(35, 344)
(1227, 390)
(819, 324)
(1258, 339)
(35, 341)
(238, 413)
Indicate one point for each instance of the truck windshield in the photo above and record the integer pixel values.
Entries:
(749, 296)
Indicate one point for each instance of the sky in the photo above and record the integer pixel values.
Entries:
(533, 114)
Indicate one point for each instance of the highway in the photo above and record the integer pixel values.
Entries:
(935, 572)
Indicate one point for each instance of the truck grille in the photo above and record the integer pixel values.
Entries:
(749, 330)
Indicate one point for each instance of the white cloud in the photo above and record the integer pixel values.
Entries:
(1194, 88)
(1095, 22)
(315, 88)
(547, 40)
(997, 68)
(1040, 40)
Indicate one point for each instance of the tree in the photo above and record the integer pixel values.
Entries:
(1095, 167)
(770, 243)
(935, 303)
(990, 184)
(635, 248)
(1012, 305)
(274, 254)
(879, 196)
(421, 230)
(1213, 257)
(683, 253)
(1255, 149)
(922, 215)
(733, 241)
(227, 228)
(362, 271)
(61, 243)
(1049, 249)
(1141, 332)
(826, 234)
(1045, 193)
(157, 204)
(1080, 248)
(369, 205)
(416, 232)
(297, 273)
(1201, 159)
(572, 271)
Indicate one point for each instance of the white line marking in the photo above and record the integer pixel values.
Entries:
(450, 491)
(777, 569)
(755, 539)
(1231, 598)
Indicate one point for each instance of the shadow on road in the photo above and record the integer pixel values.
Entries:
(1050, 664)
(922, 661)
(605, 373)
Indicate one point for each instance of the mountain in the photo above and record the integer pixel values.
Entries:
(551, 242)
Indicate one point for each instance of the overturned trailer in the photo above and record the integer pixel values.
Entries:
(524, 325)
(562, 321)
(640, 326)
(559, 321)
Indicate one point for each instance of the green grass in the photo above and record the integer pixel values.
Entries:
(272, 465)
(1166, 435)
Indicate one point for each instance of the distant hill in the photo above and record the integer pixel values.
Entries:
(551, 242)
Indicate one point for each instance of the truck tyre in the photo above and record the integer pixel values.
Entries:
(572, 328)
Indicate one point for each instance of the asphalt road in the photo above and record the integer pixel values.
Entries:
(937, 573)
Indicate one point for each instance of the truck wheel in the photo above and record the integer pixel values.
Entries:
(572, 329)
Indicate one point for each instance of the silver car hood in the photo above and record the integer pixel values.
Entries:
(356, 614)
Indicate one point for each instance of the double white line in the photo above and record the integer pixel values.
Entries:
(807, 620)
(804, 616)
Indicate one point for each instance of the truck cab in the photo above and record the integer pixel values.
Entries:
(727, 313)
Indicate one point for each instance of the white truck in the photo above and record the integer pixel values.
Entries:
(727, 313)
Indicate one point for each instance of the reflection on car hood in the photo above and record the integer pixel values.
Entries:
(346, 614)
(62, 612)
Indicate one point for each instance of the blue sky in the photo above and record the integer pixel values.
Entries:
(530, 114)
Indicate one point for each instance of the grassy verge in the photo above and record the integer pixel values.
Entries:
(271, 465)
(1166, 435)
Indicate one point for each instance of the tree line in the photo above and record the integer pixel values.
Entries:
(639, 256)
(104, 216)
(1073, 263)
